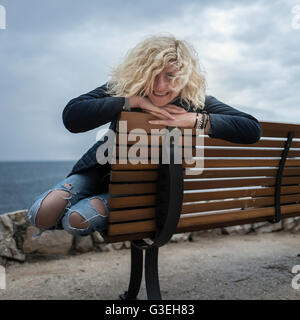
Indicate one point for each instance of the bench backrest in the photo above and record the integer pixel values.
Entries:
(240, 183)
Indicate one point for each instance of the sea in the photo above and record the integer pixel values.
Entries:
(21, 182)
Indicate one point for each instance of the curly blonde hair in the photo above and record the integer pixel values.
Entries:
(135, 75)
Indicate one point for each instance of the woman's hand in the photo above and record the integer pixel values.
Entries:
(186, 120)
(165, 112)
(182, 120)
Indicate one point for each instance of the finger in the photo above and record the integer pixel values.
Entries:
(158, 115)
(173, 110)
(161, 111)
(160, 122)
(173, 106)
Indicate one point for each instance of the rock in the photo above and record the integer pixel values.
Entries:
(117, 245)
(127, 244)
(105, 247)
(6, 226)
(8, 246)
(180, 237)
(97, 238)
(290, 223)
(296, 229)
(84, 244)
(3, 261)
(266, 227)
(49, 242)
(237, 230)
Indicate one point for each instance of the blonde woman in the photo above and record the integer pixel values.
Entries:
(160, 76)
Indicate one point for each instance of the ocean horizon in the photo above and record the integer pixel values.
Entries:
(22, 181)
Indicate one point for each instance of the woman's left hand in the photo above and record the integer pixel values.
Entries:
(182, 119)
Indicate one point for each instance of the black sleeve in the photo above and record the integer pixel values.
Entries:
(231, 124)
(91, 110)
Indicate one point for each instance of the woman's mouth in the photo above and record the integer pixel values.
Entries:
(157, 94)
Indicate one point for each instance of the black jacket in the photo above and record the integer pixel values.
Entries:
(97, 108)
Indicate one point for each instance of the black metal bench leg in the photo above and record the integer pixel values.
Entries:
(151, 274)
(135, 274)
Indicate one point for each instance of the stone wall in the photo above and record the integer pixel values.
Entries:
(18, 244)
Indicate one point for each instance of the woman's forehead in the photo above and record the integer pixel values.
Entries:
(170, 68)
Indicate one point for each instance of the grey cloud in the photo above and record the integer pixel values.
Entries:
(53, 51)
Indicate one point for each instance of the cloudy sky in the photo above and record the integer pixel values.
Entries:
(53, 51)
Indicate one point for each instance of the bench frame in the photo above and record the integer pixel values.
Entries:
(167, 214)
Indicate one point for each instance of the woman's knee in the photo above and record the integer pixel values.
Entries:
(51, 208)
(77, 221)
(83, 224)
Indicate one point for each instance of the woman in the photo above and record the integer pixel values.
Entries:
(160, 76)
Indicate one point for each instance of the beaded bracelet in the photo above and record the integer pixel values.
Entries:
(199, 124)
(206, 120)
(197, 115)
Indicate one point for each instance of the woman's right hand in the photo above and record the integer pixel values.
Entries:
(149, 107)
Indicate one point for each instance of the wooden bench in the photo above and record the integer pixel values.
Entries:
(240, 184)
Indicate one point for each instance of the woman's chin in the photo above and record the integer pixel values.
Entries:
(158, 102)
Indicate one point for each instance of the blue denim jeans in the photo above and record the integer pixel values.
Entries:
(82, 188)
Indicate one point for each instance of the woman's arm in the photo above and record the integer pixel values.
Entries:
(91, 110)
(231, 124)
(96, 108)
(224, 122)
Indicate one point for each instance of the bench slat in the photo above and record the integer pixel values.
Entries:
(133, 152)
(230, 183)
(209, 142)
(141, 176)
(217, 195)
(205, 220)
(149, 188)
(209, 163)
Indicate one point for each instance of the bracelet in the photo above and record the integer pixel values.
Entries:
(197, 116)
(206, 120)
(199, 124)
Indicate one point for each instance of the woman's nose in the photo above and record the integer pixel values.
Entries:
(160, 84)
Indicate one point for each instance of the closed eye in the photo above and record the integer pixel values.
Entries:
(170, 75)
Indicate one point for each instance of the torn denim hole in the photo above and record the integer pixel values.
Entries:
(63, 188)
(68, 187)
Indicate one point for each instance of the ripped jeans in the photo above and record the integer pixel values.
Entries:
(82, 187)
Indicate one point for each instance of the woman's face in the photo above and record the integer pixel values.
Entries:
(164, 89)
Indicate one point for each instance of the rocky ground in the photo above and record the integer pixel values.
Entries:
(254, 266)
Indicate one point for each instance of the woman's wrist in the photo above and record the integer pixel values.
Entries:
(134, 102)
(201, 121)
(126, 106)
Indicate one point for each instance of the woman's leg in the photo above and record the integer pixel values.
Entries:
(49, 208)
(88, 215)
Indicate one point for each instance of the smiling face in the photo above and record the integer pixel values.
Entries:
(165, 89)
